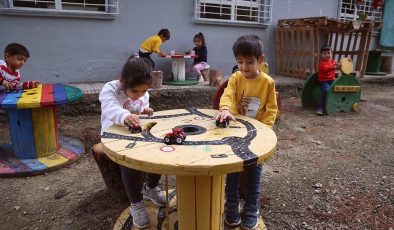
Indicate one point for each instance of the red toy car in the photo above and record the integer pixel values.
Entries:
(176, 136)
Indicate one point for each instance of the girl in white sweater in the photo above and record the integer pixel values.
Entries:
(121, 102)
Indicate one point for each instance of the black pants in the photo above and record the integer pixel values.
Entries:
(133, 184)
(147, 56)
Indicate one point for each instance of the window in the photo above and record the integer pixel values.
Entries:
(248, 12)
(66, 6)
(348, 11)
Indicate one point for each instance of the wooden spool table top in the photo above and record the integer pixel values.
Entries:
(179, 56)
(207, 150)
(43, 95)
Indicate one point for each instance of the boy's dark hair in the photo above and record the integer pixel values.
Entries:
(165, 33)
(325, 48)
(201, 37)
(16, 48)
(136, 71)
(248, 45)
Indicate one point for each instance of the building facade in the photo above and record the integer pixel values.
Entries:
(88, 41)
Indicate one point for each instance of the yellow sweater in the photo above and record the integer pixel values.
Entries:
(263, 106)
(152, 44)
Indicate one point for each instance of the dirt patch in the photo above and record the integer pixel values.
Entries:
(331, 172)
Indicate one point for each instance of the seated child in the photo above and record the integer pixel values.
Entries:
(199, 63)
(325, 75)
(249, 92)
(152, 45)
(121, 102)
(15, 56)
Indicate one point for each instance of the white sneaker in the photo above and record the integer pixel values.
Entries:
(139, 214)
(156, 195)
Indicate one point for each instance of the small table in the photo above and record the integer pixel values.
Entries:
(35, 144)
(200, 163)
(178, 69)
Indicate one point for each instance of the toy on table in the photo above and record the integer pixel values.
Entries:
(223, 124)
(135, 129)
(175, 136)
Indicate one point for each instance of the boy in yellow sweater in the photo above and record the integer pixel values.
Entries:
(152, 45)
(249, 92)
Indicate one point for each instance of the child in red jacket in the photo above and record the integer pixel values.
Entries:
(325, 75)
(15, 56)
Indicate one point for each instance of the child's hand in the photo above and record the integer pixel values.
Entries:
(7, 85)
(243, 104)
(132, 120)
(338, 65)
(36, 83)
(30, 84)
(188, 52)
(148, 111)
(222, 115)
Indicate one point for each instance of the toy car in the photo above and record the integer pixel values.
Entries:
(223, 124)
(176, 136)
(135, 129)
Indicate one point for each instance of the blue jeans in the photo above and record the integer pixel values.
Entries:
(325, 87)
(253, 176)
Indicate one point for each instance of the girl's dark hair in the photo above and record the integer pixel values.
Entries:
(201, 37)
(15, 48)
(165, 33)
(248, 45)
(325, 48)
(136, 71)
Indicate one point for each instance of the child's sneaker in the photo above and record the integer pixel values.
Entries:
(249, 220)
(155, 195)
(139, 214)
(320, 112)
(233, 219)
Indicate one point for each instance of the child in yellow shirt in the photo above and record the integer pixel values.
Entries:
(249, 92)
(152, 45)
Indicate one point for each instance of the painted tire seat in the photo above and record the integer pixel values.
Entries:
(35, 146)
(344, 94)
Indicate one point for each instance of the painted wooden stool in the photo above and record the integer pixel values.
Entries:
(199, 163)
(35, 144)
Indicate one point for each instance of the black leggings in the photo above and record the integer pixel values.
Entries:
(147, 56)
(132, 182)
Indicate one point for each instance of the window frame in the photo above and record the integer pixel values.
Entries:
(366, 7)
(264, 7)
(111, 10)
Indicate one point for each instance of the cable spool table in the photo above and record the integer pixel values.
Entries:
(200, 163)
(35, 144)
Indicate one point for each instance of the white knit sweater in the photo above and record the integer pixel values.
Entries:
(116, 105)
